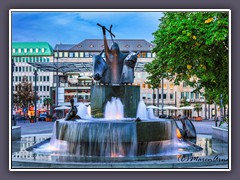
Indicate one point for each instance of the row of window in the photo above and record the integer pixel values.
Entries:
(31, 59)
(41, 98)
(25, 69)
(31, 78)
(28, 50)
(90, 54)
(154, 96)
(38, 88)
(171, 86)
(191, 95)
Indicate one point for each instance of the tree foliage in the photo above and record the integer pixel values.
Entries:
(192, 47)
(24, 95)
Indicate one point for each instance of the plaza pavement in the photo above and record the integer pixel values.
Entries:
(42, 127)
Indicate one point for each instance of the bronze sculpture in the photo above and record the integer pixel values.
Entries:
(120, 66)
(72, 114)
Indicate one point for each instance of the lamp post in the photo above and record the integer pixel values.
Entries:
(56, 95)
(35, 95)
(162, 96)
(12, 64)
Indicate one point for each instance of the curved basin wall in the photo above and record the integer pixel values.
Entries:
(116, 138)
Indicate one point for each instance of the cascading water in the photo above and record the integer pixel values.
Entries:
(83, 111)
(114, 109)
(142, 111)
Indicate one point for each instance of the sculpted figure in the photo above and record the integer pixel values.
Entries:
(101, 71)
(72, 114)
(114, 58)
(128, 68)
(188, 130)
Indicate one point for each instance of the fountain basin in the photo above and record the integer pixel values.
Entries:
(101, 137)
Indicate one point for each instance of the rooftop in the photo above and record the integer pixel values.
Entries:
(96, 45)
(31, 49)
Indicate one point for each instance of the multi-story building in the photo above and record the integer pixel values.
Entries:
(78, 83)
(24, 52)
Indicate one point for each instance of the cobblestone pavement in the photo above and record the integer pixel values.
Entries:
(42, 127)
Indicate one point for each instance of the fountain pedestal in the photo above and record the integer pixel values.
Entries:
(101, 94)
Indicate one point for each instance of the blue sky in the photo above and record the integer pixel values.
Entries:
(73, 27)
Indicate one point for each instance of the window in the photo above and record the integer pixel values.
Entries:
(171, 85)
(36, 50)
(25, 50)
(164, 96)
(71, 55)
(171, 96)
(76, 54)
(47, 78)
(48, 60)
(16, 78)
(60, 54)
(182, 95)
(153, 55)
(44, 88)
(30, 78)
(55, 54)
(144, 54)
(187, 95)
(87, 55)
(143, 86)
(23, 69)
(40, 88)
(16, 69)
(20, 78)
(197, 96)
(184, 84)
(164, 86)
(42, 50)
(44, 78)
(47, 88)
(20, 69)
(14, 50)
(31, 50)
(20, 59)
(65, 54)
(26, 59)
(192, 95)
(81, 54)
(40, 78)
(149, 54)
(19, 50)
(30, 68)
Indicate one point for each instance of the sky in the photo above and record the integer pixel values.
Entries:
(74, 27)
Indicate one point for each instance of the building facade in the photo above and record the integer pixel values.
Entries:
(77, 84)
(24, 52)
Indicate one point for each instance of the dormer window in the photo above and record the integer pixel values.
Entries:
(19, 50)
(31, 50)
(36, 50)
(25, 50)
(14, 50)
(91, 46)
(43, 50)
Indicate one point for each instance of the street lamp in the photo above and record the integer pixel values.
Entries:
(162, 96)
(12, 64)
(35, 95)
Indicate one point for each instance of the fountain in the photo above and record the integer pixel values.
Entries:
(119, 124)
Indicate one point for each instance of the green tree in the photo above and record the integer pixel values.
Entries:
(46, 102)
(198, 107)
(24, 95)
(193, 47)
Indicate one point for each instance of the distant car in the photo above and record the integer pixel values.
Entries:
(42, 117)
